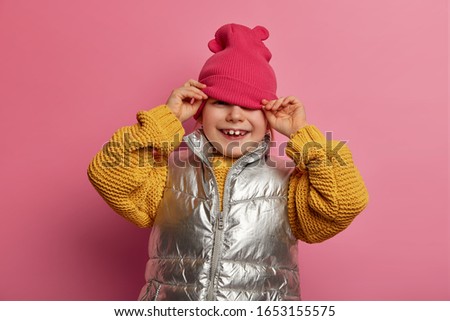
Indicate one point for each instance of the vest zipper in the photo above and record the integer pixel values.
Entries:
(218, 231)
(218, 227)
(215, 256)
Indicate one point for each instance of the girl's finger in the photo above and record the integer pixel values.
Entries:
(294, 100)
(198, 91)
(277, 104)
(189, 83)
(285, 101)
(192, 96)
(194, 83)
(194, 92)
(270, 104)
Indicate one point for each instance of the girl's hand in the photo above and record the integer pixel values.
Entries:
(285, 115)
(185, 101)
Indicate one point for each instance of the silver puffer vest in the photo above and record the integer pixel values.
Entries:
(245, 252)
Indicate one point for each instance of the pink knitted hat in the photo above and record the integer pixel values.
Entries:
(239, 72)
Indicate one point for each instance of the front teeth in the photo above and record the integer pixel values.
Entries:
(236, 133)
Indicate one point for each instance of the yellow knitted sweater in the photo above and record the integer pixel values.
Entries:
(325, 192)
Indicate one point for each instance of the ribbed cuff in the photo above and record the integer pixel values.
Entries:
(161, 127)
(307, 140)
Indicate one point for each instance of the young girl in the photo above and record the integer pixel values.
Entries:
(225, 214)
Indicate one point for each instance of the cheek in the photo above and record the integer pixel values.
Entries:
(208, 130)
(260, 117)
(260, 122)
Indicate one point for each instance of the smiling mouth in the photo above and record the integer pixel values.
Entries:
(234, 132)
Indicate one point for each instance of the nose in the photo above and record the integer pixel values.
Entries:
(235, 114)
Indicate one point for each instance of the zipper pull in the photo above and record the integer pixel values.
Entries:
(220, 223)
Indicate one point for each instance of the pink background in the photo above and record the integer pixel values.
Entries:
(72, 72)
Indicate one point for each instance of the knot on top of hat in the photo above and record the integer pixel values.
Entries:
(240, 37)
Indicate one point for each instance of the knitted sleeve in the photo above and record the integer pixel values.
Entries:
(326, 190)
(130, 171)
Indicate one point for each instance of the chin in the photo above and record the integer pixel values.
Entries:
(230, 154)
(235, 155)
